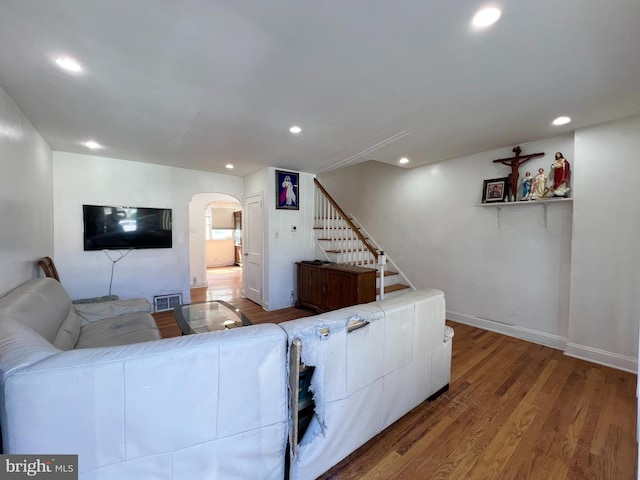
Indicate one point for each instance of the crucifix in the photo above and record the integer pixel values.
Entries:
(514, 163)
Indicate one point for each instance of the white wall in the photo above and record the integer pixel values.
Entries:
(605, 285)
(283, 247)
(572, 285)
(26, 194)
(512, 279)
(85, 179)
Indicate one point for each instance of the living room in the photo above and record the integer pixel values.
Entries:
(576, 285)
(562, 275)
(569, 284)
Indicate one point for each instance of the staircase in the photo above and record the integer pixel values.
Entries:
(339, 238)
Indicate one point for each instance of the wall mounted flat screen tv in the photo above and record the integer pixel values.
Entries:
(119, 228)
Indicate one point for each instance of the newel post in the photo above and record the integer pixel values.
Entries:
(382, 261)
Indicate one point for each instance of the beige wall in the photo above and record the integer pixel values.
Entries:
(220, 253)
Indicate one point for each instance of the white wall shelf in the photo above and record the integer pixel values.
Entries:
(544, 203)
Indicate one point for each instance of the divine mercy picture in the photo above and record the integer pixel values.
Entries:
(287, 190)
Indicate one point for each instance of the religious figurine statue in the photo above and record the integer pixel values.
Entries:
(527, 186)
(514, 163)
(540, 185)
(561, 176)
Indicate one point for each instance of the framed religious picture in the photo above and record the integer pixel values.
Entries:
(495, 190)
(287, 196)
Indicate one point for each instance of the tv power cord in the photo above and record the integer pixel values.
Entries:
(113, 262)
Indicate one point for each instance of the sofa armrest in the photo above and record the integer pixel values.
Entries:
(197, 401)
(90, 312)
(21, 346)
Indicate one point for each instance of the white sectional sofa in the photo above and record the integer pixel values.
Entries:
(372, 364)
(212, 405)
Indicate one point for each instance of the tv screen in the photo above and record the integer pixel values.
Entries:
(117, 228)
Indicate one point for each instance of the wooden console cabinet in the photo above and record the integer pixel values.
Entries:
(324, 287)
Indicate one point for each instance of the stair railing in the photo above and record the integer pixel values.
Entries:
(345, 235)
(337, 226)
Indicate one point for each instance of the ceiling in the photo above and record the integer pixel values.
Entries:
(202, 83)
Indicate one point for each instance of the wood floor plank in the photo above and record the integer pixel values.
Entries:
(514, 410)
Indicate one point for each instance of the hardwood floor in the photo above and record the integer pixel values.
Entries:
(225, 283)
(514, 410)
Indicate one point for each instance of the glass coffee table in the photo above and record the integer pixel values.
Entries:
(209, 317)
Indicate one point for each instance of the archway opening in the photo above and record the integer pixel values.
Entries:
(215, 246)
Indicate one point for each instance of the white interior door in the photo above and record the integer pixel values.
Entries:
(252, 278)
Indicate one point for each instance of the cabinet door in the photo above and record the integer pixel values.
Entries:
(311, 286)
(342, 288)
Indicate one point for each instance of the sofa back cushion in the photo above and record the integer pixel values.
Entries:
(43, 305)
(69, 332)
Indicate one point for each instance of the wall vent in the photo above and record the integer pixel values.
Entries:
(163, 303)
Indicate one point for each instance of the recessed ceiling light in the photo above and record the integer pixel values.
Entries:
(403, 160)
(69, 64)
(295, 129)
(561, 120)
(486, 16)
(93, 145)
(229, 166)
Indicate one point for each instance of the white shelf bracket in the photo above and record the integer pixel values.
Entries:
(545, 204)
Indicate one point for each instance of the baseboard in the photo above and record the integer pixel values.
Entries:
(277, 305)
(534, 336)
(438, 393)
(601, 357)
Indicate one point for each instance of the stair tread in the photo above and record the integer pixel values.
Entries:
(393, 288)
(387, 273)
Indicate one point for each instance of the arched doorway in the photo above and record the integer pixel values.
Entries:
(213, 237)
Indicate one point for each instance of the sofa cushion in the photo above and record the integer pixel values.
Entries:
(121, 330)
(90, 312)
(69, 332)
(41, 303)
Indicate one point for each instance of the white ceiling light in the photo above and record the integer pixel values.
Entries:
(403, 160)
(93, 145)
(561, 120)
(69, 64)
(295, 129)
(486, 16)
(229, 166)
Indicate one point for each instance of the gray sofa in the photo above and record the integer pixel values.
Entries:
(97, 381)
